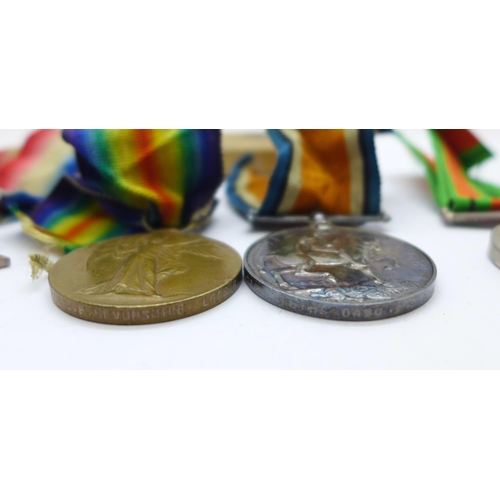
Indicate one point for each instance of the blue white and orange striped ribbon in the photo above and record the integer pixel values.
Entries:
(334, 171)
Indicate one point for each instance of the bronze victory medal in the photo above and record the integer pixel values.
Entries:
(145, 278)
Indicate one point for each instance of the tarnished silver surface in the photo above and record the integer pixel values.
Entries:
(339, 273)
(494, 251)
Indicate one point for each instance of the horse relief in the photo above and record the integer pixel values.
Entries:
(328, 260)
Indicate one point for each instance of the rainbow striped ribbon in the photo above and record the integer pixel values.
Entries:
(456, 151)
(333, 171)
(124, 182)
(29, 174)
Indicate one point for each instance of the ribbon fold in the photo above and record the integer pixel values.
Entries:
(116, 182)
(89, 185)
(334, 171)
(456, 151)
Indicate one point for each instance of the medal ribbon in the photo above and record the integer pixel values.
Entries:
(29, 174)
(456, 151)
(333, 171)
(113, 183)
(336, 172)
(102, 183)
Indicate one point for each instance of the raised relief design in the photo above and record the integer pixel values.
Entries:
(335, 266)
(143, 266)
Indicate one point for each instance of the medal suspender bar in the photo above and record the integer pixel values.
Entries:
(462, 199)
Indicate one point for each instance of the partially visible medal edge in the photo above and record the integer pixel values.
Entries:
(494, 250)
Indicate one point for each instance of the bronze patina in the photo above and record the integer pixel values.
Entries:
(146, 278)
(4, 262)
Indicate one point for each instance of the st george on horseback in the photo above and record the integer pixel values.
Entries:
(326, 260)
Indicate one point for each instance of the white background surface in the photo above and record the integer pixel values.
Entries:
(294, 435)
(458, 328)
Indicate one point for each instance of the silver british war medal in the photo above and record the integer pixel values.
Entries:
(323, 265)
(341, 273)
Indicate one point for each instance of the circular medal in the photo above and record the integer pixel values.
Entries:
(339, 273)
(145, 278)
(494, 252)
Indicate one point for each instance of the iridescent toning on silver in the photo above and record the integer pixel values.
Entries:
(339, 273)
(494, 251)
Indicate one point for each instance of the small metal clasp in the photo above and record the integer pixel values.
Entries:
(289, 221)
(465, 218)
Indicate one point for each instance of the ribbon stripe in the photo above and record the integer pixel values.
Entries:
(456, 151)
(119, 182)
(329, 170)
(96, 184)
